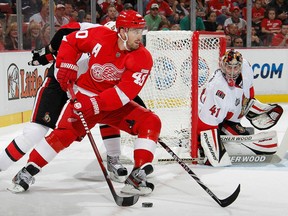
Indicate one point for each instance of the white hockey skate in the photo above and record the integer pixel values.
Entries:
(23, 179)
(117, 171)
(137, 183)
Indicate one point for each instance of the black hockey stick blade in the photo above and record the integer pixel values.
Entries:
(223, 203)
(126, 201)
(229, 200)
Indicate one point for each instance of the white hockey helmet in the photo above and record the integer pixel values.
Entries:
(231, 65)
(111, 25)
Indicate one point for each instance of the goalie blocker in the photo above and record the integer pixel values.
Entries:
(219, 149)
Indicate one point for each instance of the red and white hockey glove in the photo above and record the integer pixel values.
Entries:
(87, 105)
(66, 74)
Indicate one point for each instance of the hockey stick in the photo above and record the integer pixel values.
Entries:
(120, 201)
(224, 202)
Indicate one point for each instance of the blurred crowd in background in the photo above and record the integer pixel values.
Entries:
(269, 19)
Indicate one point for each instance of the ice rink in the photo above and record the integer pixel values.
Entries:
(73, 184)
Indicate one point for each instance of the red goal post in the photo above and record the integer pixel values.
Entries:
(182, 64)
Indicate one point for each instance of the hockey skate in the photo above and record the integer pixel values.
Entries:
(137, 183)
(23, 179)
(117, 171)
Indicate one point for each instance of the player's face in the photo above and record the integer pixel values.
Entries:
(134, 38)
(231, 73)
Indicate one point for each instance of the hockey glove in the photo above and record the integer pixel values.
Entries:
(66, 74)
(42, 57)
(87, 105)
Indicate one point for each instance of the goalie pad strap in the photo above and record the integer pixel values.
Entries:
(213, 148)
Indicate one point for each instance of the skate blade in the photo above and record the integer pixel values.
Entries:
(15, 188)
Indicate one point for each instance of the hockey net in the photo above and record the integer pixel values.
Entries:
(183, 63)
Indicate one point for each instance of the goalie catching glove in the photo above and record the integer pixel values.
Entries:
(42, 56)
(263, 116)
(66, 74)
(88, 106)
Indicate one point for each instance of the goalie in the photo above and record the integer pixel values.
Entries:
(227, 98)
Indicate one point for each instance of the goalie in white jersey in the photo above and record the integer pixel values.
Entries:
(227, 98)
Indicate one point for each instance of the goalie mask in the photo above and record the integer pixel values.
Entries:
(231, 65)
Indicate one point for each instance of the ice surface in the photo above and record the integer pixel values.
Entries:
(73, 184)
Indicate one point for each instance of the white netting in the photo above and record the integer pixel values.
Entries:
(168, 89)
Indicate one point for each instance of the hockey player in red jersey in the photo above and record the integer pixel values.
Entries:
(227, 98)
(45, 113)
(118, 68)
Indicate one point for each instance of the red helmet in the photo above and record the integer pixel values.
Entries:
(130, 19)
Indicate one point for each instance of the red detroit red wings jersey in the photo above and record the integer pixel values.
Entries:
(117, 76)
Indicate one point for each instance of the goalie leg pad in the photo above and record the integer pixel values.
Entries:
(264, 143)
(214, 149)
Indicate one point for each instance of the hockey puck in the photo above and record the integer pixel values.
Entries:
(147, 204)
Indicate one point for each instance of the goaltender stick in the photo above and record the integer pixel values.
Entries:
(227, 98)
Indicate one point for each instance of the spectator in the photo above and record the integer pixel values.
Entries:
(153, 19)
(222, 9)
(45, 35)
(238, 42)
(258, 13)
(87, 18)
(99, 13)
(30, 7)
(2, 47)
(128, 6)
(164, 8)
(11, 37)
(179, 11)
(211, 24)
(232, 30)
(255, 39)
(117, 3)
(236, 19)
(202, 8)
(239, 3)
(178, 7)
(110, 16)
(81, 15)
(68, 11)
(82, 5)
(32, 39)
(74, 16)
(175, 27)
(59, 17)
(164, 25)
(43, 16)
(270, 26)
(228, 40)
(185, 23)
(281, 39)
(281, 9)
